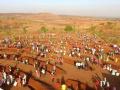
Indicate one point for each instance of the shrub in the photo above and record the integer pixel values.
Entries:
(44, 29)
(69, 28)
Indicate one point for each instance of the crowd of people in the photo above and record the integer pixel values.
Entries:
(12, 76)
(48, 55)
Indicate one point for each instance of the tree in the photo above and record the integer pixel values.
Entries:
(92, 28)
(25, 30)
(110, 25)
(44, 29)
(69, 28)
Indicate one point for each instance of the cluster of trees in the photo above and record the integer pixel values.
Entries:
(68, 28)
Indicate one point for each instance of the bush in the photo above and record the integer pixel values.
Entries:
(25, 30)
(69, 28)
(44, 29)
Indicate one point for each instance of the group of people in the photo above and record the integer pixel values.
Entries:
(86, 51)
(80, 65)
(12, 76)
(112, 71)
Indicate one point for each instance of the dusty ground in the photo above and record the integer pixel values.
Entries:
(12, 25)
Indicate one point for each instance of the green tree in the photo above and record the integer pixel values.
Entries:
(92, 28)
(69, 28)
(110, 25)
(25, 30)
(44, 29)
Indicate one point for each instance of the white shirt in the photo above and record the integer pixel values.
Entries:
(43, 71)
(15, 83)
(117, 74)
(78, 64)
(1, 89)
(108, 84)
(113, 72)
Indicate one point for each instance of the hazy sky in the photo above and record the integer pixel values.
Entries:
(105, 8)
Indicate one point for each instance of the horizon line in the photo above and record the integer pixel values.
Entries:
(87, 16)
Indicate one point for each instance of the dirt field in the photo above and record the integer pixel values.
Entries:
(49, 30)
